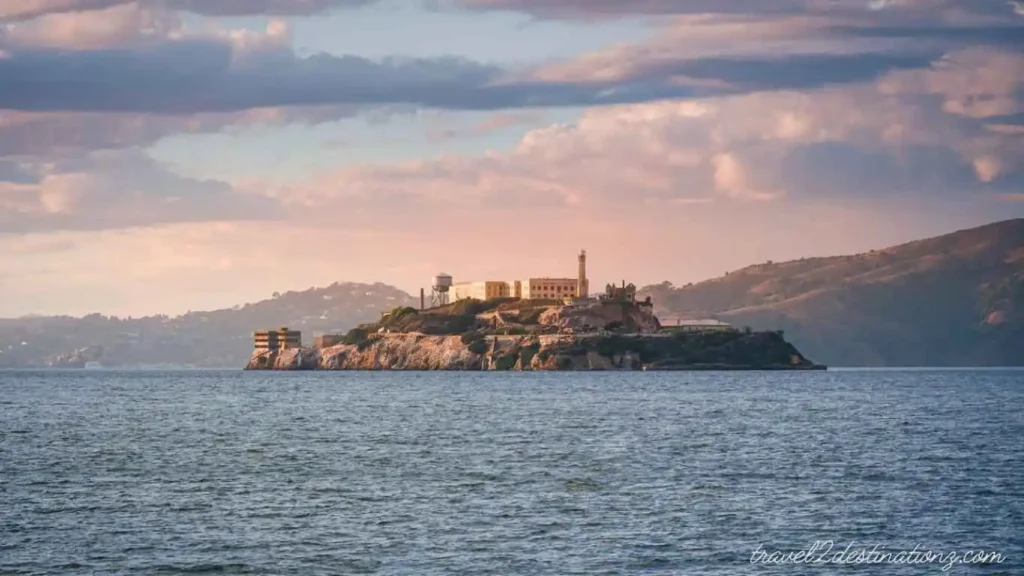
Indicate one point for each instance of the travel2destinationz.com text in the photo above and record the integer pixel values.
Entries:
(825, 552)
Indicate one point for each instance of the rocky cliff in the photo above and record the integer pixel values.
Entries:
(733, 350)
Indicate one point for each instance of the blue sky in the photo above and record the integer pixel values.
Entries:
(157, 157)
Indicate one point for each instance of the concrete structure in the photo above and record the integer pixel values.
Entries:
(689, 325)
(582, 284)
(280, 339)
(327, 340)
(530, 289)
(485, 290)
(549, 288)
(626, 292)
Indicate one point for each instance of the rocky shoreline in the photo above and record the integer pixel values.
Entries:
(559, 352)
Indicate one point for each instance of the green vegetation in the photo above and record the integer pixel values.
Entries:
(478, 346)
(455, 318)
(736, 349)
(531, 316)
(401, 311)
(361, 337)
(356, 336)
(508, 360)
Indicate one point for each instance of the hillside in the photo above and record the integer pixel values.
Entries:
(219, 338)
(953, 300)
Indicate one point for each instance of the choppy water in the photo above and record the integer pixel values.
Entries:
(490, 473)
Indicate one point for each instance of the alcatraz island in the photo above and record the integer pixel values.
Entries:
(535, 324)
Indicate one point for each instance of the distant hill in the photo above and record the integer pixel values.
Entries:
(953, 300)
(219, 338)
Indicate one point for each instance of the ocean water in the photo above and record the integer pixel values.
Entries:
(105, 472)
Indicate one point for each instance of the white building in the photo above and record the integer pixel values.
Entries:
(690, 325)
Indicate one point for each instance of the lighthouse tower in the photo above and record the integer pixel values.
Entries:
(582, 287)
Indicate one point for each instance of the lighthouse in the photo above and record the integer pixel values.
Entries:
(582, 289)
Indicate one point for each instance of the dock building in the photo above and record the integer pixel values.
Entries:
(274, 340)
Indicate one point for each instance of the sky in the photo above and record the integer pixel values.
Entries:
(160, 156)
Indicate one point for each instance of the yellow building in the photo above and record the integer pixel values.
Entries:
(530, 289)
(559, 288)
(549, 288)
(272, 340)
(485, 290)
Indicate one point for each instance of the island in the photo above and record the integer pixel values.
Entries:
(507, 333)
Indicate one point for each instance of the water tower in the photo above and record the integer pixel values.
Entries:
(439, 292)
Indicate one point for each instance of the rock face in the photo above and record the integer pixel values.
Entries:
(625, 317)
(766, 350)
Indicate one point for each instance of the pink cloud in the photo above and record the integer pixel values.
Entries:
(715, 149)
(28, 9)
(95, 29)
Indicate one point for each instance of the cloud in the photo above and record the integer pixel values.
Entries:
(129, 74)
(976, 82)
(730, 52)
(132, 59)
(60, 133)
(186, 77)
(588, 9)
(911, 133)
(117, 190)
(204, 76)
(97, 29)
(784, 120)
(14, 10)
(886, 139)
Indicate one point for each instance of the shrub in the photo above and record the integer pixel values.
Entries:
(507, 361)
(356, 336)
(402, 311)
(470, 336)
(478, 346)
(472, 306)
(530, 316)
